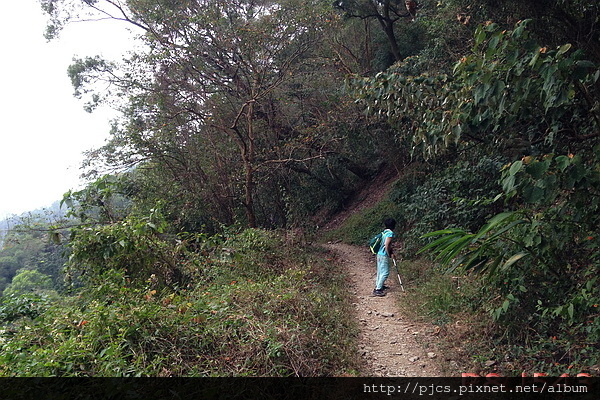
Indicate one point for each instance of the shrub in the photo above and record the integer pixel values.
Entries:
(262, 311)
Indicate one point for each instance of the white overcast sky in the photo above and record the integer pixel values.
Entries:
(43, 128)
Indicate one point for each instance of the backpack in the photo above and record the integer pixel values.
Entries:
(375, 243)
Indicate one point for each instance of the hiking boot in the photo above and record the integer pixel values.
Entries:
(384, 287)
(378, 293)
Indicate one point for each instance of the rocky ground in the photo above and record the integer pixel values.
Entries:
(390, 344)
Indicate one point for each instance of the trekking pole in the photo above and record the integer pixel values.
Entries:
(398, 272)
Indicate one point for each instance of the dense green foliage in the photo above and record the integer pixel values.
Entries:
(241, 306)
(27, 252)
(239, 118)
(510, 95)
(427, 198)
(538, 108)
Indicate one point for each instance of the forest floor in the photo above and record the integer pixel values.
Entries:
(389, 343)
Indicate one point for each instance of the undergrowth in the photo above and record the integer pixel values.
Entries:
(252, 309)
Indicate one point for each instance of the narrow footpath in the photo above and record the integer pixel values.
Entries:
(390, 344)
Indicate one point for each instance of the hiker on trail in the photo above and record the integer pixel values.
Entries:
(383, 256)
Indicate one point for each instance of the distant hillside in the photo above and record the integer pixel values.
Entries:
(46, 214)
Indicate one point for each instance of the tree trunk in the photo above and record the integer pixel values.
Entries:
(388, 28)
(249, 167)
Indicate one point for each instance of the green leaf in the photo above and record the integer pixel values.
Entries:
(520, 29)
(533, 194)
(571, 310)
(506, 229)
(514, 259)
(442, 232)
(537, 168)
(476, 260)
(562, 162)
(563, 49)
(442, 242)
(493, 223)
(534, 59)
(480, 36)
(492, 268)
(558, 310)
(508, 184)
(515, 167)
(451, 250)
(479, 94)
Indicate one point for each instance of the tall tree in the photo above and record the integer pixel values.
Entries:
(212, 69)
(386, 12)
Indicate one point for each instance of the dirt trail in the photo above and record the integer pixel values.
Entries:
(388, 342)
